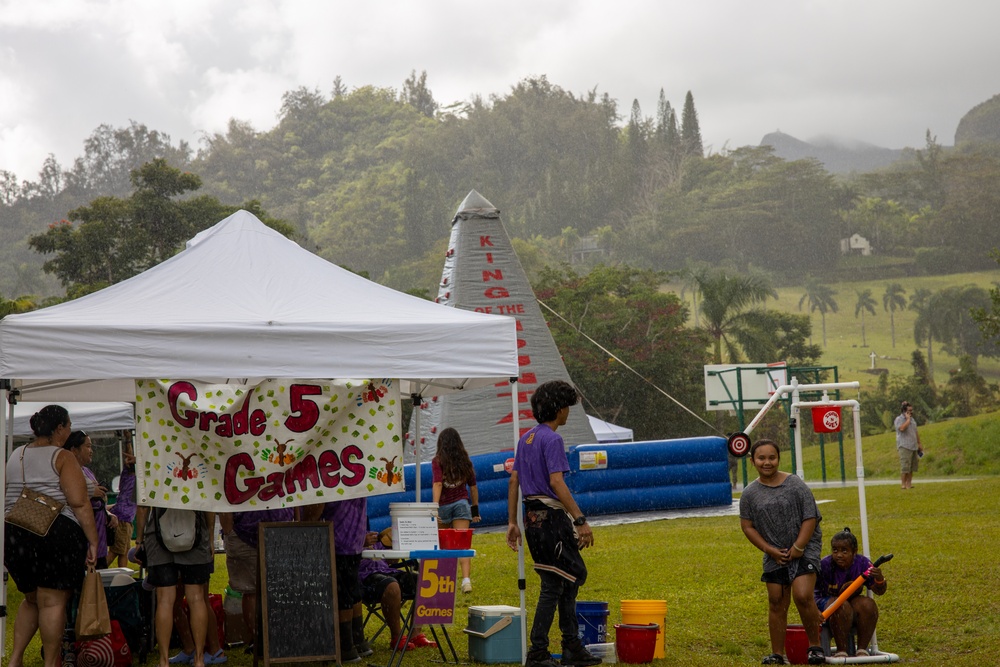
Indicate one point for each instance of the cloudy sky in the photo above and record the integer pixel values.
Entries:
(879, 71)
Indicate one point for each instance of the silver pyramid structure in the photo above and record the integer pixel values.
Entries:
(482, 273)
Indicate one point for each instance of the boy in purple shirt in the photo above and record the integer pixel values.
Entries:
(554, 527)
(124, 507)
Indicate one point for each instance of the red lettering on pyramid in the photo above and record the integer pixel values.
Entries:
(485, 241)
(492, 275)
(521, 414)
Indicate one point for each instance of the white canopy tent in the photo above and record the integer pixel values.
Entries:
(608, 432)
(117, 416)
(243, 301)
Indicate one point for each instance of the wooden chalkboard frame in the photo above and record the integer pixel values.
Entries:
(264, 640)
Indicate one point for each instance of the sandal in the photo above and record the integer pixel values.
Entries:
(862, 653)
(773, 659)
(840, 654)
(816, 655)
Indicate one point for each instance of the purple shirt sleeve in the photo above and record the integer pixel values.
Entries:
(124, 507)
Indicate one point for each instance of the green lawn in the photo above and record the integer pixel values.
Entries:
(940, 607)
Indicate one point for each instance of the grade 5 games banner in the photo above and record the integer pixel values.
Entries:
(266, 444)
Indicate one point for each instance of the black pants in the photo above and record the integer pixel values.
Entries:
(557, 594)
(550, 537)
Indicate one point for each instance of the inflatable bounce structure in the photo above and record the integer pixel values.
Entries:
(605, 479)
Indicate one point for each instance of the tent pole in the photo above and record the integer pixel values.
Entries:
(417, 400)
(5, 435)
(521, 583)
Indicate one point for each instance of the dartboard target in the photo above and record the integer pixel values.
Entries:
(739, 444)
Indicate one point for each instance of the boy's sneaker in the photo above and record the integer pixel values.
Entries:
(576, 654)
(350, 655)
(540, 658)
(364, 648)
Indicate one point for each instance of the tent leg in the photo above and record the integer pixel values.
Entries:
(521, 583)
(5, 435)
(417, 400)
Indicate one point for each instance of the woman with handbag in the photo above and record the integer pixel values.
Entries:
(80, 444)
(50, 534)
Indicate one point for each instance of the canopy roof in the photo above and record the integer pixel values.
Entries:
(608, 432)
(243, 301)
(118, 416)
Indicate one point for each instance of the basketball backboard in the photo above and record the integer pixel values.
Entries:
(726, 385)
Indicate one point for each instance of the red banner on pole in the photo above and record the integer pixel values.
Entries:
(826, 419)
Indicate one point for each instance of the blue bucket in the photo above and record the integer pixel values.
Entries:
(593, 619)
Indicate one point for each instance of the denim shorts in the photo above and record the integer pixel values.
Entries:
(459, 509)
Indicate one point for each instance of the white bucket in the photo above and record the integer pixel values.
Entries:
(414, 526)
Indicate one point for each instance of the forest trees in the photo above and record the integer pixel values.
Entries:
(624, 311)
(117, 238)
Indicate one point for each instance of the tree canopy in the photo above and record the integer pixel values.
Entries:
(117, 238)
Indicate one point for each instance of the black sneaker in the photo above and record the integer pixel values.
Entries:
(540, 659)
(575, 654)
(364, 648)
(350, 655)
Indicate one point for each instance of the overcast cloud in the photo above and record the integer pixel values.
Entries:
(879, 71)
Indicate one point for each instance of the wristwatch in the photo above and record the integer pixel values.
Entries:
(580, 520)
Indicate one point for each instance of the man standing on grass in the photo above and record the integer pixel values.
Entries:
(907, 444)
(554, 527)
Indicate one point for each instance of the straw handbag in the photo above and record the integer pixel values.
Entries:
(33, 511)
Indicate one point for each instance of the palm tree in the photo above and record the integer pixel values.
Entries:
(725, 300)
(819, 297)
(865, 302)
(691, 277)
(925, 327)
(892, 301)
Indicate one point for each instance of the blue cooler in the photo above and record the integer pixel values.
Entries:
(494, 634)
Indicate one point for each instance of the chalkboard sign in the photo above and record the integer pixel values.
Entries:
(299, 592)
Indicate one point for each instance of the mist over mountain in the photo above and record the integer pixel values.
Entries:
(838, 155)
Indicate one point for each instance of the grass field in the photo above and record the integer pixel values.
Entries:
(844, 346)
(940, 607)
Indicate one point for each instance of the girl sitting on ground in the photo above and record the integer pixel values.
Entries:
(837, 571)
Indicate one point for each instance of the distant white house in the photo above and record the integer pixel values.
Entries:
(587, 248)
(857, 244)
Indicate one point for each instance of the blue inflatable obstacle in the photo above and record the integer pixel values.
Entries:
(605, 479)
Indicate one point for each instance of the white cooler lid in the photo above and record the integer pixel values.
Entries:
(494, 610)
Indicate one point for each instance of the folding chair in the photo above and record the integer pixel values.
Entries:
(375, 610)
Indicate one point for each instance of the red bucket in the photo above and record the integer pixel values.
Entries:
(797, 645)
(636, 643)
(455, 538)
